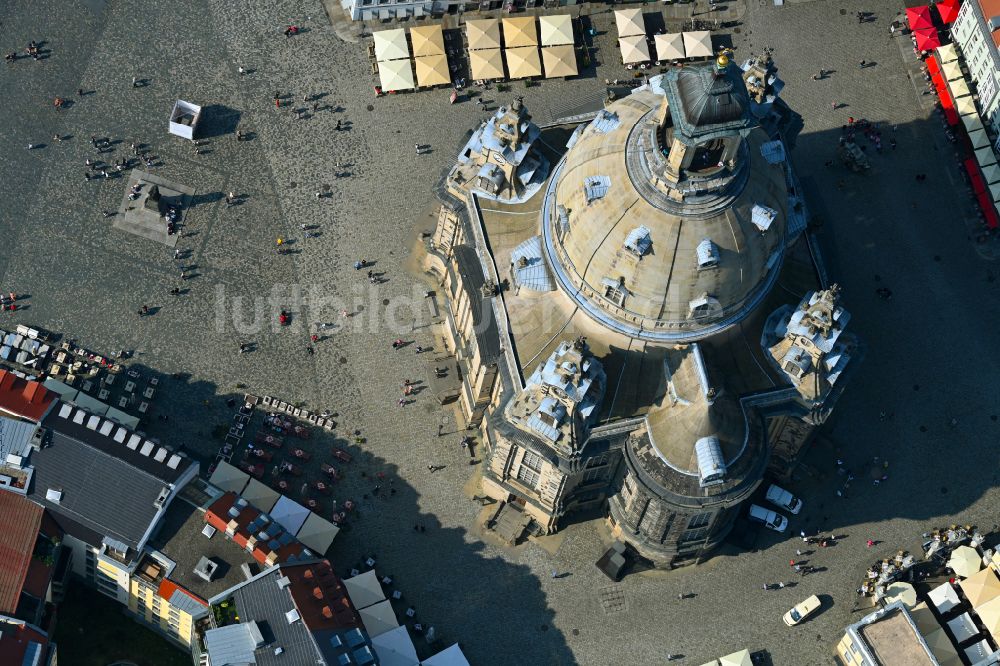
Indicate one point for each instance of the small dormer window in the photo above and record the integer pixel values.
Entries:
(638, 241)
(596, 187)
(615, 291)
(708, 254)
(704, 306)
(763, 217)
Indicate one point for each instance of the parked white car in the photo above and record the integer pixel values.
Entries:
(802, 611)
(772, 520)
(783, 499)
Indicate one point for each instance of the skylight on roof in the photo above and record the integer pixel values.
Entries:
(638, 241)
(596, 187)
(762, 217)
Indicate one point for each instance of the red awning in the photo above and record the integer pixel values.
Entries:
(927, 39)
(919, 18)
(982, 194)
(944, 97)
(947, 10)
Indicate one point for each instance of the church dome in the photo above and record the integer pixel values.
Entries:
(667, 262)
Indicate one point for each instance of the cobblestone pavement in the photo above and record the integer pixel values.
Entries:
(86, 279)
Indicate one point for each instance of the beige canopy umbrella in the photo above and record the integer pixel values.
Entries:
(947, 53)
(984, 585)
(741, 658)
(924, 618)
(396, 75)
(941, 647)
(520, 31)
(483, 34)
(991, 173)
(559, 61)
(432, 70)
(427, 40)
(995, 193)
(989, 615)
(670, 47)
(951, 70)
(486, 64)
(964, 560)
(965, 106)
(523, 62)
(698, 44)
(391, 45)
(979, 138)
(629, 22)
(959, 88)
(900, 591)
(972, 122)
(984, 156)
(634, 49)
(556, 30)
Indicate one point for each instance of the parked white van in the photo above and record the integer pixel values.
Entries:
(783, 499)
(772, 520)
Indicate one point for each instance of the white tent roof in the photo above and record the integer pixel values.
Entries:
(432, 70)
(959, 88)
(520, 31)
(483, 34)
(451, 656)
(984, 156)
(317, 533)
(979, 138)
(947, 53)
(629, 22)
(378, 618)
(972, 122)
(943, 597)
(364, 589)
(289, 514)
(698, 44)
(634, 49)
(670, 47)
(556, 29)
(395, 75)
(523, 62)
(395, 648)
(559, 61)
(486, 64)
(391, 45)
(261, 496)
(228, 478)
(965, 106)
(995, 193)
(991, 173)
(951, 70)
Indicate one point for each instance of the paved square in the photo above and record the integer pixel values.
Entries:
(931, 355)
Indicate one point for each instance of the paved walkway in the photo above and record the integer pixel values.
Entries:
(931, 355)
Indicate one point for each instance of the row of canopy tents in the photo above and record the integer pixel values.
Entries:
(959, 106)
(634, 44)
(529, 48)
(429, 61)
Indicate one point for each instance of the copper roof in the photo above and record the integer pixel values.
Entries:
(19, 522)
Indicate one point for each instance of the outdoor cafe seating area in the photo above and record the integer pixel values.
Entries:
(640, 50)
(494, 50)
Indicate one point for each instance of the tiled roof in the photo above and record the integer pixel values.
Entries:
(26, 399)
(19, 523)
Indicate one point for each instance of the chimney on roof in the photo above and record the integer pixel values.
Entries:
(994, 23)
(327, 613)
(30, 390)
(318, 592)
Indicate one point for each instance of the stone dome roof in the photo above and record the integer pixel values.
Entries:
(644, 263)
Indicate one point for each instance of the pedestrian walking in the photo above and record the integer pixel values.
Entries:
(834, 105)
(338, 129)
(314, 337)
(241, 70)
(135, 82)
(870, 543)
(79, 92)
(315, 107)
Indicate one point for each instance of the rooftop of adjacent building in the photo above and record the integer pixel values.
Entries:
(894, 641)
(21, 643)
(20, 521)
(180, 536)
(23, 398)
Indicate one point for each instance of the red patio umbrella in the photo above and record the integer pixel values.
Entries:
(947, 10)
(927, 39)
(919, 17)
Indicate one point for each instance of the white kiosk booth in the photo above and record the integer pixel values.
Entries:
(184, 119)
